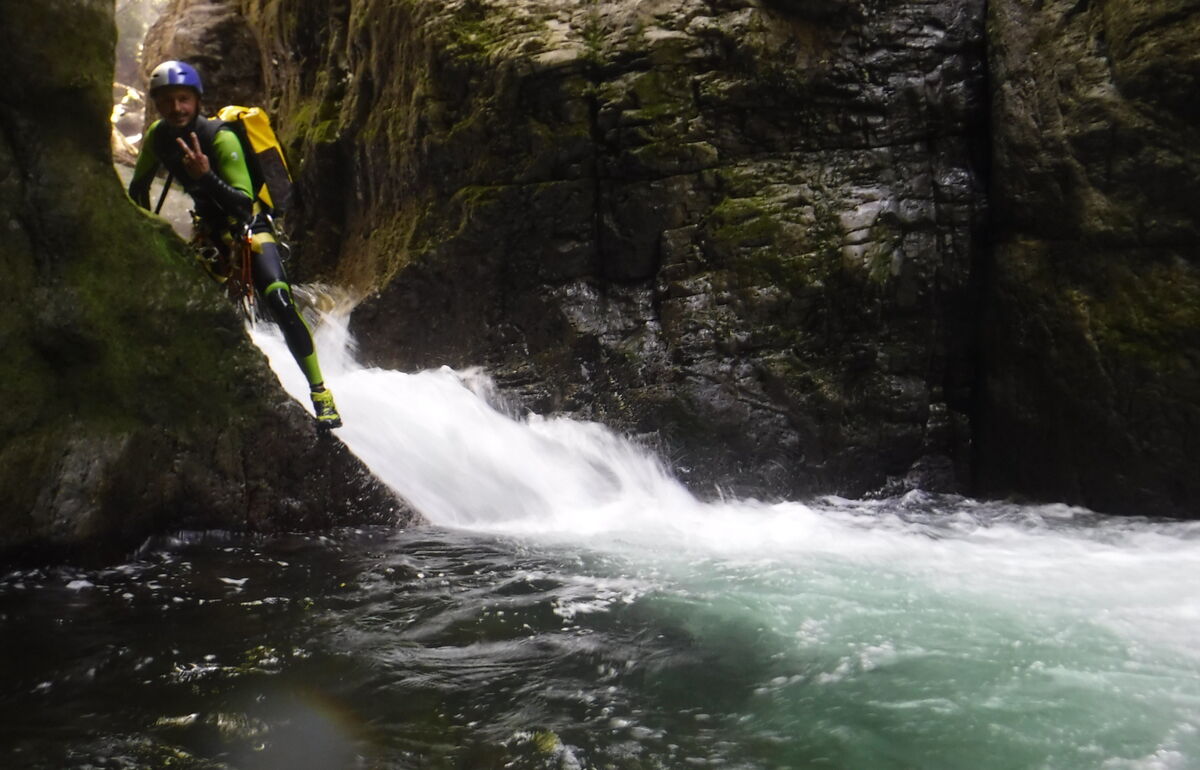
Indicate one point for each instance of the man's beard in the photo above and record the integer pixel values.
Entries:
(180, 131)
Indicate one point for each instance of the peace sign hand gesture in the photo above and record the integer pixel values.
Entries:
(195, 162)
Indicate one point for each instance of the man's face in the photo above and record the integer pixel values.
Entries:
(177, 104)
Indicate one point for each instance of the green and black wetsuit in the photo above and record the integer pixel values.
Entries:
(224, 202)
(225, 192)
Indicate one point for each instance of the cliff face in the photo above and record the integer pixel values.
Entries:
(1093, 335)
(133, 401)
(807, 245)
(749, 230)
(215, 37)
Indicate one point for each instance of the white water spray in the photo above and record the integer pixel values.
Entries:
(438, 439)
(461, 461)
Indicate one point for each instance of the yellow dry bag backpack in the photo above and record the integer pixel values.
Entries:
(264, 155)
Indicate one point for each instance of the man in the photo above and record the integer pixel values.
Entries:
(207, 158)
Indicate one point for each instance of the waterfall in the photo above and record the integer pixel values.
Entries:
(969, 615)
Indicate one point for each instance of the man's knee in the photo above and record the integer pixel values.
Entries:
(268, 267)
(279, 299)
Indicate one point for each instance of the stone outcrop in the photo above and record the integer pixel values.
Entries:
(133, 401)
(1092, 343)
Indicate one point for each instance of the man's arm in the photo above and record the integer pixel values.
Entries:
(144, 170)
(228, 181)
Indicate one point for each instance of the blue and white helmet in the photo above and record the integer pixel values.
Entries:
(175, 73)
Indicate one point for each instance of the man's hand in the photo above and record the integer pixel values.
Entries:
(195, 162)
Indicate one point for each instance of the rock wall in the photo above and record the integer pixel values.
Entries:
(1093, 326)
(133, 401)
(746, 231)
(803, 245)
(214, 37)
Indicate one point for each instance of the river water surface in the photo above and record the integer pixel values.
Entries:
(571, 606)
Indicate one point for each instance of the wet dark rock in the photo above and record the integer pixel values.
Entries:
(1092, 343)
(214, 37)
(748, 233)
(818, 10)
(134, 403)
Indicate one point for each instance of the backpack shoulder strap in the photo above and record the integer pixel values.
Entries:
(167, 149)
(206, 131)
(264, 155)
(165, 188)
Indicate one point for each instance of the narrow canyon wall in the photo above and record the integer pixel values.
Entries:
(1092, 343)
(133, 402)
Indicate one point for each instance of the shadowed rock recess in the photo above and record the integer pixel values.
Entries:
(133, 402)
(1092, 333)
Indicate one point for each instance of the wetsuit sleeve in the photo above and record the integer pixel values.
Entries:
(228, 182)
(144, 170)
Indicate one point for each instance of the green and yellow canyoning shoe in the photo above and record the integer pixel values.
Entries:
(326, 413)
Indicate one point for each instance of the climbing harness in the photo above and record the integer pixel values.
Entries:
(232, 266)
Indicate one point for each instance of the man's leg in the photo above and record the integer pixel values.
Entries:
(272, 285)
